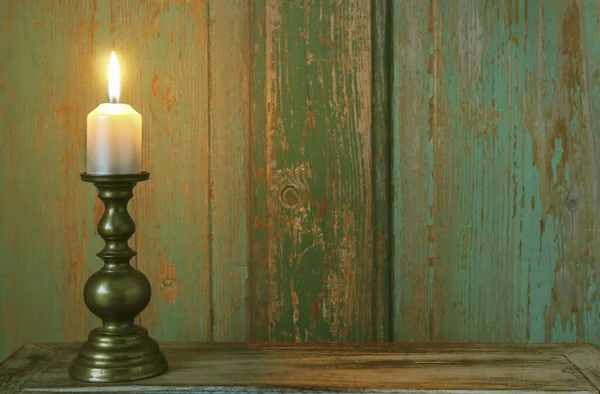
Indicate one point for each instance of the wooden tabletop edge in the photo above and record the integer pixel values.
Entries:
(387, 346)
(587, 360)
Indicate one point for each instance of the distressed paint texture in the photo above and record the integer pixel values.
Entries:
(495, 171)
(335, 170)
(169, 40)
(229, 125)
(314, 274)
(46, 218)
(266, 136)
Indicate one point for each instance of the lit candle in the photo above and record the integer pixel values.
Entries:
(114, 132)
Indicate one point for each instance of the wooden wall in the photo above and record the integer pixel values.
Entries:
(496, 112)
(334, 170)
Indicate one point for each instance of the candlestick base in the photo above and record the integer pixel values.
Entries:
(119, 350)
(118, 358)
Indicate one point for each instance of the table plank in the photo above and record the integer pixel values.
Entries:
(347, 368)
(587, 360)
(22, 366)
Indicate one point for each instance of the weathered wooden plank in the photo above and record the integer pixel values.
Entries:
(229, 128)
(414, 134)
(317, 214)
(47, 85)
(590, 14)
(535, 219)
(501, 170)
(213, 367)
(479, 285)
(381, 164)
(371, 347)
(587, 360)
(169, 46)
(291, 390)
(258, 188)
(23, 365)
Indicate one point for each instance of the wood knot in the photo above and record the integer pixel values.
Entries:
(167, 283)
(572, 203)
(290, 196)
(290, 187)
(573, 199)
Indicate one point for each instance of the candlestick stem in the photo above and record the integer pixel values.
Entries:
(119, 350)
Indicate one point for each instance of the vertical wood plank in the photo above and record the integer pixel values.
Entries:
(314, 280)
(258, 237)
(43, 215)
(566, 155)
(414, 136)
(590, 15)
(523, 122)
(170, 68)
(381, 24)
(481, 67)
(229, 126)
(511, 212)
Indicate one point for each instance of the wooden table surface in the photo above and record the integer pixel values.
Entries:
(321, 368)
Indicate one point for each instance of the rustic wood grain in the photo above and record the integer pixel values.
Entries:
(229, 127)
(22, 366)
(48, 241)
(381, 19)
(258, 285)
(313, 193)
(289, 144)
(47, 87)
(412, 156)
(495, 171)
(169, 45)
(197, 367)
(587, 360)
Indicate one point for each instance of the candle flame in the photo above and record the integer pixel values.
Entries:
(114, 79)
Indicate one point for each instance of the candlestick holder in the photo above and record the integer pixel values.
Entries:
(119, 350)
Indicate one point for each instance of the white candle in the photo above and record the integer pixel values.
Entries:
(114, 132)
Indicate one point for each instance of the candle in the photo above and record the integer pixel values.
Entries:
(114, 132)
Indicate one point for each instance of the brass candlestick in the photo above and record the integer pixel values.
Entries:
(119, 350)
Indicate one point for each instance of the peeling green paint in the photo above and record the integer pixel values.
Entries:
(268, 213)
(506, 173)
